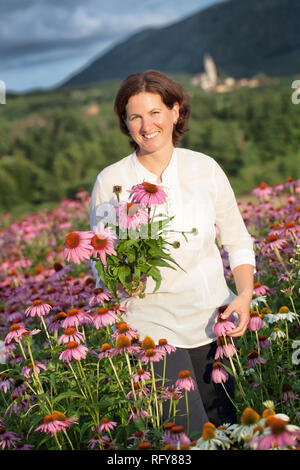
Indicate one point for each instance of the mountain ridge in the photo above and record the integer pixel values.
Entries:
(244, 37)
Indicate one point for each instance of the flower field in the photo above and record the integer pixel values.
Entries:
(75, 375)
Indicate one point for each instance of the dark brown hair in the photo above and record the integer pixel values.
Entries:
(153, 81)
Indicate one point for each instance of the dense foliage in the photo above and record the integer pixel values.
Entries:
(50, 146)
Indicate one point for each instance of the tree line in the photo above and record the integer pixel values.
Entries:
(53, 143)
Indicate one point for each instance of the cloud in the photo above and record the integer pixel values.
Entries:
(42, 32)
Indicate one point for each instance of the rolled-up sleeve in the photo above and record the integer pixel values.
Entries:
(234, 235)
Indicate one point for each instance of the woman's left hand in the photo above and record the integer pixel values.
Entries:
(241, 306)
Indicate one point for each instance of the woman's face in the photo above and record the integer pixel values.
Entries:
(150, 122)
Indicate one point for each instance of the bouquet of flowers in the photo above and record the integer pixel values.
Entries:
(131, 246)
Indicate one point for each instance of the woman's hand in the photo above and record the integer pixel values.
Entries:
(241, 306)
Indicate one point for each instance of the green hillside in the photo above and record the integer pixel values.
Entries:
(50, 146)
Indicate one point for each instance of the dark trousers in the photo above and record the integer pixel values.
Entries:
(209, 401)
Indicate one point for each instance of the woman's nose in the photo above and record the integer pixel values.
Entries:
(147, 124)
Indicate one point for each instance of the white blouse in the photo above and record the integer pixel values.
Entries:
(184, 308)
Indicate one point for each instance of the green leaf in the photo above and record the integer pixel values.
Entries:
(64, 395)
(160, 262)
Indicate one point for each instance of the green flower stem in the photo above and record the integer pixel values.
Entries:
(187, 411)
(41, 390)
(130, 373)
(46, 330)
(279, 257)
(85, 379)
(117, 377)
(155, 393)
(22, 350)
(57, 441)
(228, 395)
(171, 400)
(294, 309)
(68, 439)
(236, 376)
(77, 381)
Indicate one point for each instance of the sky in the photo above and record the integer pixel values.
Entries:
(42, 42)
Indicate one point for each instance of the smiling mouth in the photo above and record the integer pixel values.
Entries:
(150, 136)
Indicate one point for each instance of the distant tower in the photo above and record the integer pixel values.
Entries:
(211, 70)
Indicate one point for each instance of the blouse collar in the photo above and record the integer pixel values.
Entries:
(144, 174)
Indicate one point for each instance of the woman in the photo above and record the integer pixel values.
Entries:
(153, 111)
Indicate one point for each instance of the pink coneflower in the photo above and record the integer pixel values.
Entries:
(102, 442)
(153, 355)
(38, 308)
(5, 383)
(175, 436)
(56, 321)
(74, 350)
(224, 347)
(131, 215)
(138, 436)
(27, 371)
(263, 342)
(254, 358)
(171, 393)
(78, 246)
(70, 334)
(56, 422)
(138, 413)
(106, 351)
(260, 289)
(148, 194)
(8, 438)
(103, 242)
(75, 317)
(149, 351)
(106, 425)
(262, 191)
(99, 296)
(103, 317)
(122, 328)
(15, 333)
(255, 322)
(185, 381)
(272, 242)
(280, 435)
(289, 227)
(118, 309)
(165, 346)
(219, 374)
(287, 392)
(223, 326)
(141, 375)
(124, 345)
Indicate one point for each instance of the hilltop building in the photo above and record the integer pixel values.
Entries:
(209, 80)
